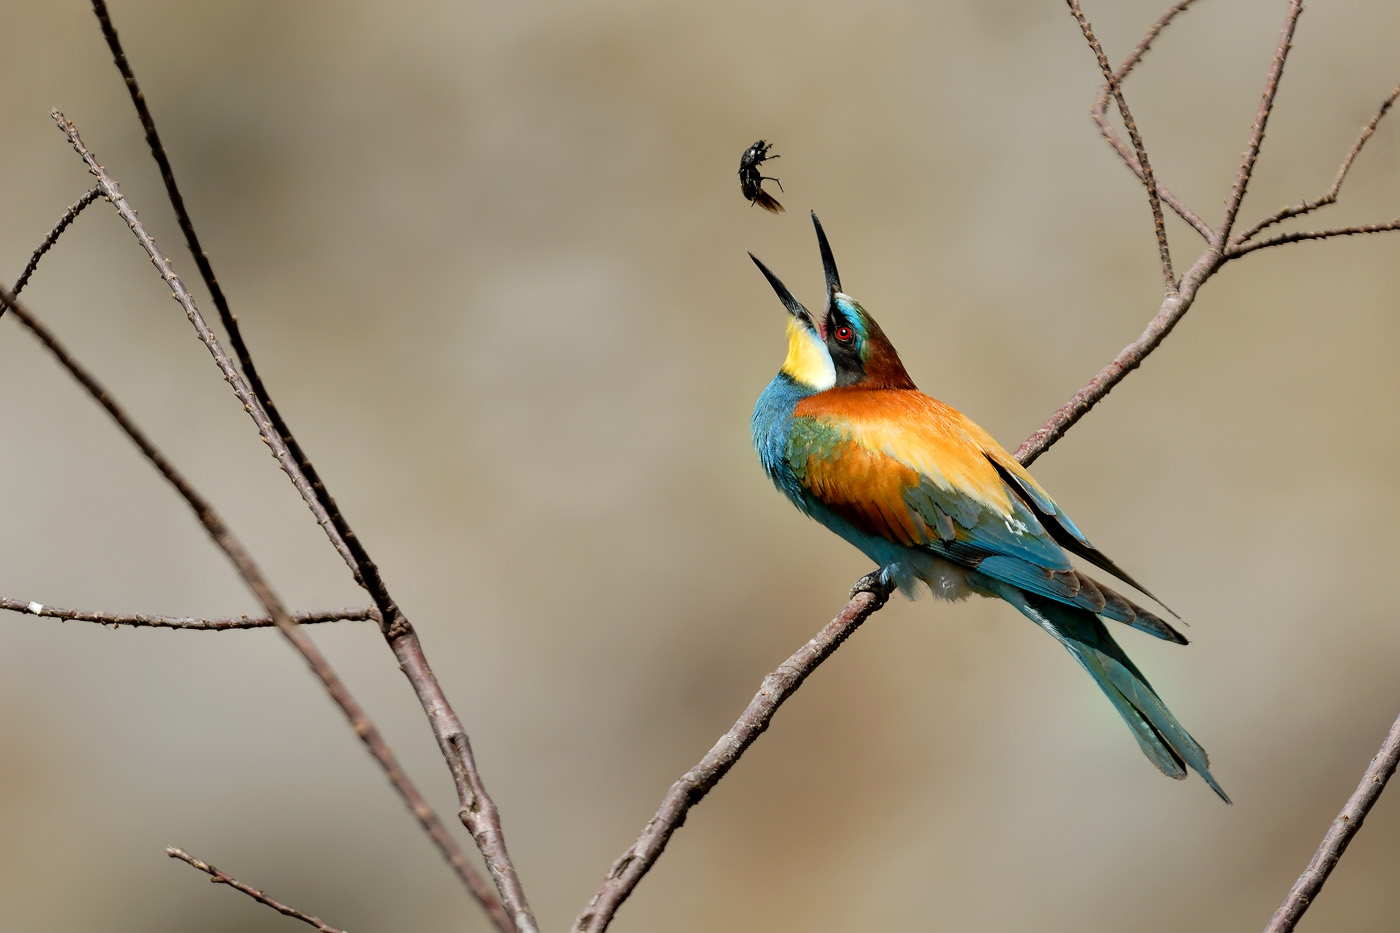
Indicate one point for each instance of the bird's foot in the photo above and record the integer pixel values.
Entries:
(875, 582)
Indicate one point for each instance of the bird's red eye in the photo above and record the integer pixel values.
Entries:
(844, 333)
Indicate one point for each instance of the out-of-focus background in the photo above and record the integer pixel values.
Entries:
(491, 260)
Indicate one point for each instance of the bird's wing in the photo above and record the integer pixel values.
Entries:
(905, 467)
(1056, 522)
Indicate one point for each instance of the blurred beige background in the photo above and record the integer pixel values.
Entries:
(491, 260)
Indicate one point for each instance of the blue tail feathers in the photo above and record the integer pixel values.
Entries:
(1163, 739)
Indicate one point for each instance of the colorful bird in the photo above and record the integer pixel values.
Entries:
(932, 498)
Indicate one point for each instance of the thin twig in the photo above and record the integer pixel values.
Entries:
(1301, 235)
(477, 811)
(1261, 122)
(218, 877)
(369, 734)
(692, 787)
(70, 215)
(1339, 834)
(144, 620)
(1106, 128)
(1330, 197)
(1148, 179)
(1142, 48)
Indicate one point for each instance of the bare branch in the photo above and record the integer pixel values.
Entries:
(1174, 308)
(450, 850)
(1330, 197)
(480, 818)
(692, 787)
(476, 809)
(1126, 154)
(1148, 179)
(477, 812)
(1339, 834)
(70, 215)
(1301, 235)
(369, 734)
(143, 620)
(1221, 250)
(218, 877)
(1261, 122)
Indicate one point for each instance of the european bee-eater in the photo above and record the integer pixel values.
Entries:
(932, 498)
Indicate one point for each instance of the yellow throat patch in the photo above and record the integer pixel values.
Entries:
(808, 361)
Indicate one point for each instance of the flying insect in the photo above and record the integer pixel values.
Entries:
(751, 177)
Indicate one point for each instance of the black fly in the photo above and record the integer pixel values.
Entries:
(751, 178)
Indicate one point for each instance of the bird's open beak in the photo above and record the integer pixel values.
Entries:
(833, 278)
(794, 306)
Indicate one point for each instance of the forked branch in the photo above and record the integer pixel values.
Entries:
(476, 810)
(1330, 196)
(1221, 248)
